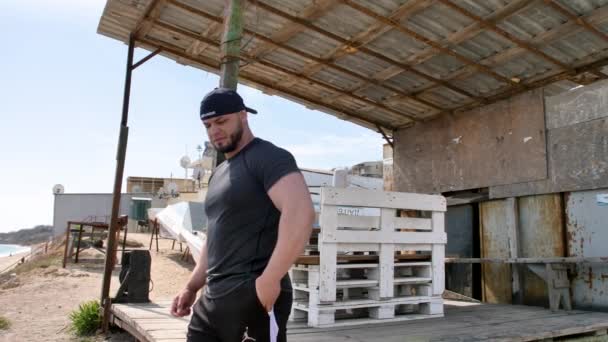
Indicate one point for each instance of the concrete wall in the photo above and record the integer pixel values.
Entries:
(98, 207)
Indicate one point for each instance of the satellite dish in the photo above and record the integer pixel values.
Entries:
(185, 161)
(136, 189)
(172, 188)
(58, 189)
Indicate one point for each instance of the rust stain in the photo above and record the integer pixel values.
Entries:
(590, 278)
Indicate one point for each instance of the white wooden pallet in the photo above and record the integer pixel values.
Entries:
(357, 311)
(324, 292)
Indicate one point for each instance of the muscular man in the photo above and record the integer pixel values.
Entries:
(260, 217)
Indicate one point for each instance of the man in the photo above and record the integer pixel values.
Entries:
(260, 217)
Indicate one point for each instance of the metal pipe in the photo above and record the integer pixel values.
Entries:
(120, 166)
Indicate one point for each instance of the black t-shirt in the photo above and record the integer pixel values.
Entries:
(242, 220)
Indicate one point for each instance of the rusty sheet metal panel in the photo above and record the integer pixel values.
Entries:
(496, 278)
(502, 143)
(541, 234)
(578, 160)
(459, 225)
(577, 106)
(577, 144)
(587, 227)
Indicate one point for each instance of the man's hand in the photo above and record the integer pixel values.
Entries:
(267, 291)
(183, 302)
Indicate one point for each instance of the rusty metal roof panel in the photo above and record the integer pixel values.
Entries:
(445, 97)
(408, 82)
(396, 45)
(436, 22)
(525, 66)
(312, 43)
(533, 21)
(579, 50)
(344, 21)
(484, 85)
(368, 66)
(582, 7)
(484, 45)
(440, 65)
(286, 60)
(335, 78)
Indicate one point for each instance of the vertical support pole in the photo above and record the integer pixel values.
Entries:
(120, 167)
(512, 220)
(438, 254)
(231, 44)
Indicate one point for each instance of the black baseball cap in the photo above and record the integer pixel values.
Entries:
(222, 101)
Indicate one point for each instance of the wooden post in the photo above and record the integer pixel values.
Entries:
(231, 44)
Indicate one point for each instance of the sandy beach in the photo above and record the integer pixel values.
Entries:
(38, 302)
(8, 261)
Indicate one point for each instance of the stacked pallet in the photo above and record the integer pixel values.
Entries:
(373, 268)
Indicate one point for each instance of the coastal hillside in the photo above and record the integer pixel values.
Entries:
(27, 237)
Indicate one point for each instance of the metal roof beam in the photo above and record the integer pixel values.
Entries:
(306, 55)
(547, 37)
(370, 34)
(421, 38)
(312, 12)
(365, 50)
(212, 65)
(540, 83)
(302, 78)
(492, 26)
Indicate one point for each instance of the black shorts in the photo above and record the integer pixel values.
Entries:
(238, 317)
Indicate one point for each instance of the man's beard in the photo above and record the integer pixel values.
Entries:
(234, 138)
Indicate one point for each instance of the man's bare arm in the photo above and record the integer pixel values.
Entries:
(291, 196)
(185, 299)
(198, 278)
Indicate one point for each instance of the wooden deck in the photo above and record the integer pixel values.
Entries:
(462, 322)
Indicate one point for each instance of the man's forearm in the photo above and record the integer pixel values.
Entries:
(295, 227)
(199, 275)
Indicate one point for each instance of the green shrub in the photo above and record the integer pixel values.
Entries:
(87, 319)
(4, 323)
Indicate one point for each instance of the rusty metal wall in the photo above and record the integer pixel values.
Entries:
(541, 234)
(459, 225)
(587, 227)
(496, 278)
(502, 143)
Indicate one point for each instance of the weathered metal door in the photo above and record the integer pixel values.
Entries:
(541, 234)
(587, 227)
(496, 278)
(459, 228)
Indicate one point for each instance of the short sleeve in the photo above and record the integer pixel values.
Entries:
(273, 163)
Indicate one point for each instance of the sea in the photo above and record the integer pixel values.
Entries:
(6, 250)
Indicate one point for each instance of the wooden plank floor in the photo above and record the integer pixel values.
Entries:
(462, 322)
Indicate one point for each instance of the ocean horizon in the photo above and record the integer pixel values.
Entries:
(7, 250)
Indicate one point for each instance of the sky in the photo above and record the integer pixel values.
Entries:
(61, 87)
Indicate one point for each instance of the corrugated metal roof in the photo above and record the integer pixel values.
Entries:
(383, 62)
